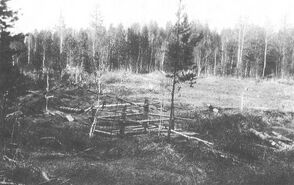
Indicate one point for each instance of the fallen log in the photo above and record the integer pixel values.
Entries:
(284, 130)
(281, 137)
(276, 140)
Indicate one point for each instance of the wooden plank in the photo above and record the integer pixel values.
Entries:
(115, 120)
(122, 121)
(70, 109)
(115, 116)
(152, 120)
(166, 116)
(107, 106)
(133, 127)
(115, 105)
(124, 100)
(146, 121)
(189, 133)
(138, 129)
(152, 127)
(105, 132)
(129, 129)
(133, 121)
(195, 138)
(61, 114)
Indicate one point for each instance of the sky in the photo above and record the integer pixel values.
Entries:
(218, 14)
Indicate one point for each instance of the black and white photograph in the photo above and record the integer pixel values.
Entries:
(146, 92)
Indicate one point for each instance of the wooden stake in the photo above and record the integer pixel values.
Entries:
(95, 120)
(165, 116)
(161, 112)
(242, 99)
(115, 116)
(122, 122)
(145, 114)
(152, 120)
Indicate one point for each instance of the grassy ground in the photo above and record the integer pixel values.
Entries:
(70, 157)
(218, 91)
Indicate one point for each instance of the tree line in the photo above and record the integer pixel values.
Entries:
(245, 51)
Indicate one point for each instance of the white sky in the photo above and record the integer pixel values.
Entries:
(218, 14)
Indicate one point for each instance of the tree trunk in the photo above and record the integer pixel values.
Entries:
(151, 57)
(162, 61)
(138, 60)
(239, 51)
(29, 50)
(198, 67)
(241, 37)
(61, 42)
(231, 66)
(93, 49)
(47, 82)
(214, 68)
(246, 69)
(172, 107)
(172, 111)
(141, 62)
(277, 69)
(206, 67)
(264, 59)
(222, 58)
(283, 62)
(197, 61)
(256, 69)
(43, 61)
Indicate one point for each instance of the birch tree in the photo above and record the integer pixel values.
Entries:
(267, 38)
(61, 30)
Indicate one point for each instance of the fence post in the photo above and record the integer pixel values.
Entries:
(145, 114)
(242, 101)
(95, 120)
(93, 111)
(122, 122)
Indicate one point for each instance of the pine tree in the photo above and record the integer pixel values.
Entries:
(8, 73)
(180, 49)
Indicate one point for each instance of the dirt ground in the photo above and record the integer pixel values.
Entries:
(48, 149)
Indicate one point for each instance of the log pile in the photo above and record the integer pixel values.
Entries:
(274, 139)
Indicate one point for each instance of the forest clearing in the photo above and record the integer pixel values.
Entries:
(50, 149)
(91, 96)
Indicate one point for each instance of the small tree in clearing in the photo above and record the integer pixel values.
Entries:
(180, 55)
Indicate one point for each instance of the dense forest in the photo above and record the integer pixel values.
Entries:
(245, 51)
